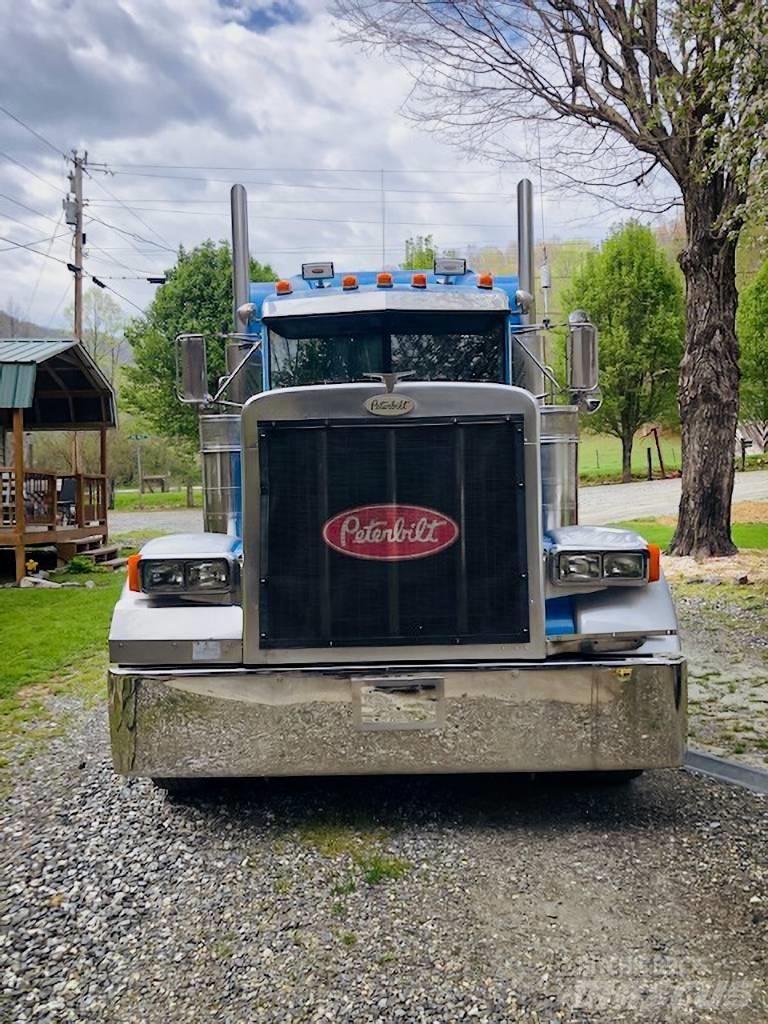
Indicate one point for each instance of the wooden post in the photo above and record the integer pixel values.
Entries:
(104, 488)
(18, 473)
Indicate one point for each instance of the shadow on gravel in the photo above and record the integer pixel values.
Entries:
(442, 801)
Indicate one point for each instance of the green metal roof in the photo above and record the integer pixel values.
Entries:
(19, 359)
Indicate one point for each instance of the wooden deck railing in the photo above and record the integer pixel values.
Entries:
(54, 500)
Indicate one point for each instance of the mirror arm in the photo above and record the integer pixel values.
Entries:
(544, 369)
(235, 372)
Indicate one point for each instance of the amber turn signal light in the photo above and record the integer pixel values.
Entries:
(654, 563)
(134, 580)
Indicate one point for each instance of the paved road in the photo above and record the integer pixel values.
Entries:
(608, 503)
(611, 503)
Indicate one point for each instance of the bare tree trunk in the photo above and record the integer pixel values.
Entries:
(709, 383)
(626, 457)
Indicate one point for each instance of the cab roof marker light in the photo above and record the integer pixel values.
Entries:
(419, 281)
(485, 281)
(384, 280)
(349, 283)
(134, 578)
(283, 288)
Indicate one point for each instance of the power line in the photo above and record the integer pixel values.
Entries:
(304, 170)
(306, 185)
(56, 188)
(42, 267)
(32, 131)
(70, 267)
(29, 209)
(131, 234)
(129, 210)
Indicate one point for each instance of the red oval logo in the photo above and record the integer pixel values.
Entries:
(390, 533)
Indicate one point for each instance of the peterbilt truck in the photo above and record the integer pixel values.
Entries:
(391, 577)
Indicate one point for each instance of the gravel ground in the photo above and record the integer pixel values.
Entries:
(389, 899)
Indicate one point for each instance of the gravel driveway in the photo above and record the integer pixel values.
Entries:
(387, 899)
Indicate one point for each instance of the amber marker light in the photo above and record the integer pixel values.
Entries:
(349, 283)
(384, 280)
(654, 563)
(485, 281)
(419, 281)
(283, 288)
(134, 580)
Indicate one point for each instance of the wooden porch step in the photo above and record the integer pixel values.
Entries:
(101, 554)
(114, 563)
(79, 546)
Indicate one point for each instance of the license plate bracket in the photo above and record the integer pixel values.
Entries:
(398, 703)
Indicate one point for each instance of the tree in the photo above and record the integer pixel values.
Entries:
(635, 298)
(752, 325)
(196, 298)
(420, 253)
(103, 331)
(624, 92)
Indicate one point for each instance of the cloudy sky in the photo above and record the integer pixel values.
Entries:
(178, 99)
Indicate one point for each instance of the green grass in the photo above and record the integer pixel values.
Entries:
(132, 501)
(745, 535)
(45, 632)
(600, 454)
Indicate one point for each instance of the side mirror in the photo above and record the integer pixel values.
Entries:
(192, 369)
(582, 360)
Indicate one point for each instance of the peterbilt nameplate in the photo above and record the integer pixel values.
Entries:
(390, 533)
(390, 405)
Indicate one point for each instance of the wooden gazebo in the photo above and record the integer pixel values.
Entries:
(50, 385)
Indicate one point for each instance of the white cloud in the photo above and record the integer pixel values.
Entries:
(259, 84)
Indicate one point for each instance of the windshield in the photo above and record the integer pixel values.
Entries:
(342, 348)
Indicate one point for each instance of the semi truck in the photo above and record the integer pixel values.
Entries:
(392, 577)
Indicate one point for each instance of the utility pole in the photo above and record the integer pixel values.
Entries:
(73, 206)
(76, 181)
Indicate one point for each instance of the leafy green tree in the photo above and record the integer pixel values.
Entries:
(103, 331)
(420, 253)
(197, 298)
(752, 327)
(634, 296)
(621, 92)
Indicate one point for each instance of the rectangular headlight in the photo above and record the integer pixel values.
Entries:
(159, 576)
(185, 576)
(579, 567)
(624, 565)
(209, 576)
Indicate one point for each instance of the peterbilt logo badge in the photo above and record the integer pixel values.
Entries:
(390, 405)
(390, 533)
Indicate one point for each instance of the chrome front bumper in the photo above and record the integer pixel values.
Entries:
(523, 717)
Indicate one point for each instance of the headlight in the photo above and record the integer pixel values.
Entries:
(162, 577)
(209, 576)
(187, 576)
(579, 568)
(624, 566)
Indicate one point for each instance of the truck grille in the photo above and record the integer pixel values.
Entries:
(405, 533)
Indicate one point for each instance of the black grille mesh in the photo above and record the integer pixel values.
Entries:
(470, 470)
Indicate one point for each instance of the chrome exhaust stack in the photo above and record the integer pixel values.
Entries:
(529, 374)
